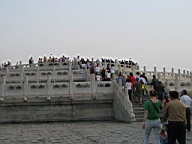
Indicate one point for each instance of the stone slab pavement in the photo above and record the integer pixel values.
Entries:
(90, 132)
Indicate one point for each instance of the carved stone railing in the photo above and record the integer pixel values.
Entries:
(122, 105)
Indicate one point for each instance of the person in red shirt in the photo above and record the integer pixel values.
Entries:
(166, 100)
(132, 79)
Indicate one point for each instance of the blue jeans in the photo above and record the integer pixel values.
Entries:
(160, 95)
(149, 125)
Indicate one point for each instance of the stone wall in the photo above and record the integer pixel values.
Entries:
(41, 109)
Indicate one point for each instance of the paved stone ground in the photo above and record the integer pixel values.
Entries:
(94, 132)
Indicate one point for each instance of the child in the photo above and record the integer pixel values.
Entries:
(163, 135)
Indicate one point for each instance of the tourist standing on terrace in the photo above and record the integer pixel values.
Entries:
(112, 70)
(98, 78)
(187, 101)
(151, 118)
(154, 82)
(92, 69)
(175, 112)
(103, 74)
(97, 69)
(160, 90)
(31, 60)
(88, 63)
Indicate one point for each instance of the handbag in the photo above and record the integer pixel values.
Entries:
(155, 108)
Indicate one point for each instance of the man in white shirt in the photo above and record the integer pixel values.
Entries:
(97, 69)
(112, 69)
(143, 79)
(187, 101)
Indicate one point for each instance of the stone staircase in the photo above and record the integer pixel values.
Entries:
(137, 109)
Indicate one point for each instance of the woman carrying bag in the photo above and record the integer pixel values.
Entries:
(151, 118)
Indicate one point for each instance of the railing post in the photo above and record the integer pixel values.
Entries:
(37, 74)
(71, 84)
(179, 74)
(184, 75)
(48, 88)
(172, 70)
(144, 70)
(3, 86)
(22, 74)
(126, 93)
(176, 82)
(53, 73)
(155, 70)
(158, 76)
(105, 65)
(164, 72)
(93, 86)
(26, 86)
(187, 75)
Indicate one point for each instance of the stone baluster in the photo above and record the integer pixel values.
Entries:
(179, 74)
(172, 71)
(21, 74)
(155, 71)
(120, 84)
(105, 64)
(166, 85)
(176, 82)
(164, 73)
(144, 70)
(7, 70)
(124, 65)
(116, 64)
(53, 73)
(60, 63)
(19, 65)
(184, 75)
(93, 86)
(37, 74)
(126, 93)
(48, 86)
(119, 69)
(158, 76)
(3, 86)
(71, 88)
(187, 75)
(26, 86)
(132, 67)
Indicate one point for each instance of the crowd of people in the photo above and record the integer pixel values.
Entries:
(82, 61)
(172, 126)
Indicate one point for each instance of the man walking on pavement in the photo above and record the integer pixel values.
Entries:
(187, 101)
(176, 114)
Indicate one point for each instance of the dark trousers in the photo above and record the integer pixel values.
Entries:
(176, 130)
(160, 95)
(129, 93)
(188, 113)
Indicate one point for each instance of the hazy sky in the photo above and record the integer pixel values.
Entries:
(153, 33)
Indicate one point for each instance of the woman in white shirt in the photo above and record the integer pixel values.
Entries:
(128, 85)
